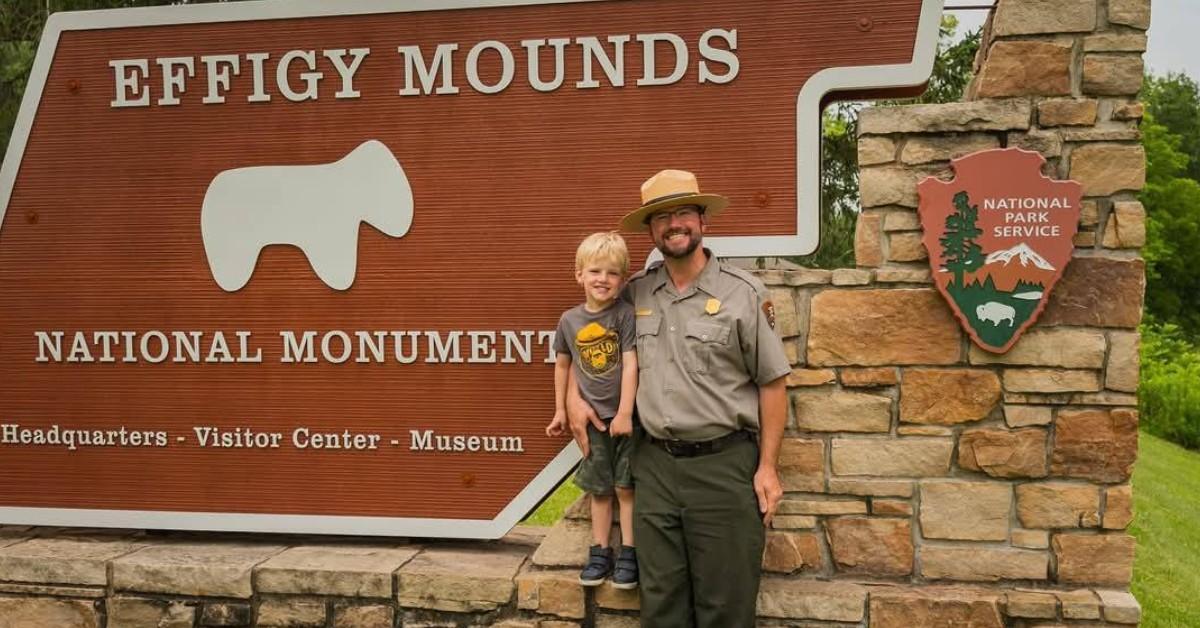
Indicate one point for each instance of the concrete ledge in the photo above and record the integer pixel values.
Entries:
(216, 569)
(342, 570)
(71, 579)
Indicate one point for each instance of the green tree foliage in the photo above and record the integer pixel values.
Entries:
(20, 26)
(960, 253)
(951, 67)
(839, 147)
(839, 189)
(1174, 102)
(1169, 396)
(1172, 250)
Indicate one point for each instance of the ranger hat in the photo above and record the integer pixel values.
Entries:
(667, 189)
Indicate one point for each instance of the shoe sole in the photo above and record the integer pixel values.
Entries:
(625, 586)
(592, 583)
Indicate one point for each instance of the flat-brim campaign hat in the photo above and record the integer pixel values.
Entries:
(667, 189)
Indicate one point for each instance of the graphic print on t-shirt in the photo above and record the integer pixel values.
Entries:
(598, 349)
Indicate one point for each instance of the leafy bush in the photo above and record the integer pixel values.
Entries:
(1169, 395)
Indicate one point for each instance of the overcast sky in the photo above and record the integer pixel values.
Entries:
(1173, 47)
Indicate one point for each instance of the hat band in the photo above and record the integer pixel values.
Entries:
(669, 197)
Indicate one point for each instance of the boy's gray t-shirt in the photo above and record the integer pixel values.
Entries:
(596, 341)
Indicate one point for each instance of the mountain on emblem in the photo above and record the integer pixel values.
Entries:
(999, 236)
(1018, 264)
(1024, 255)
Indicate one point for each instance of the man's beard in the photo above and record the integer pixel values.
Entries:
(692, 245)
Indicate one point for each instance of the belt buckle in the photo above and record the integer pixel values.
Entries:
(677, 447)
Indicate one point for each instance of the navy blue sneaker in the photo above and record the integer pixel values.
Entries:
(599, 565)
(625, 575)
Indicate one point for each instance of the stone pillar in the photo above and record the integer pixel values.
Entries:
(1044, 437)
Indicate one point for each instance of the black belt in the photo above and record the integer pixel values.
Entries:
(691, 449)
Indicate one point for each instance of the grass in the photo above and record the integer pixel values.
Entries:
(551, 509)
(1166, 574)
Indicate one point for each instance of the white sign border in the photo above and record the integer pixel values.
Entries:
(808, 203)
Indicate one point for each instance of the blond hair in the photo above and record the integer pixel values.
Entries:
(606, 246)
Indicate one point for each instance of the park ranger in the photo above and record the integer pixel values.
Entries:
(712, 401)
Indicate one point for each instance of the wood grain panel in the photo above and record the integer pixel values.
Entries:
(102, 233)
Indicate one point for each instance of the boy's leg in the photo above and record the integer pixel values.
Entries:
(622, 470)
(625, 508)
(595, 477)
(625, 571)
(602, 512)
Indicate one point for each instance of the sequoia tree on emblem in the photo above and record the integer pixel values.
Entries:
(999, 236)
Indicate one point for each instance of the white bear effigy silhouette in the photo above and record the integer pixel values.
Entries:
(317, 208)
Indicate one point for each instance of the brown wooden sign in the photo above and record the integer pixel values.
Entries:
(196, 331)
(999, 235)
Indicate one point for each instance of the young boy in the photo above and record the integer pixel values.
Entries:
(596, 338)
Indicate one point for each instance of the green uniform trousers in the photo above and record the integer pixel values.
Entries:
(699, 536)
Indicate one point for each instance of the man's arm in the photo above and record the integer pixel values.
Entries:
(622, 424)
(772, 409)
(579, 414)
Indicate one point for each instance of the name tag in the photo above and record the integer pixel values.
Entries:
(643, 312)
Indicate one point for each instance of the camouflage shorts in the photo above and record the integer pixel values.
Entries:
(608, 464)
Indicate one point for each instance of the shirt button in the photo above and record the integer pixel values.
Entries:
(704, 337)
(672, 328)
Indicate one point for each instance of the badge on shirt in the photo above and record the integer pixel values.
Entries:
(769, 311)
(643, 312)
(712, 306)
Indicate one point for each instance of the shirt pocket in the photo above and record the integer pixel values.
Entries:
(704, 338)
(646, 328)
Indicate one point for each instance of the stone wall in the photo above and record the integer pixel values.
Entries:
(55, 578)
(927, 482)
(985, 490)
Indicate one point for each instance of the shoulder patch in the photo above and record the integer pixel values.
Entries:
(768, 309)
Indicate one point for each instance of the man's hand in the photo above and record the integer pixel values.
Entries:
(622, 425)
(557, 425)
(579, 414)
(769, 491)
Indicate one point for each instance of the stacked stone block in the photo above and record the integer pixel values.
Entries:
(115, 579)
(927, 482)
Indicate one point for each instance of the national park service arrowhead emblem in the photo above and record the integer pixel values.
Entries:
(999, 236)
